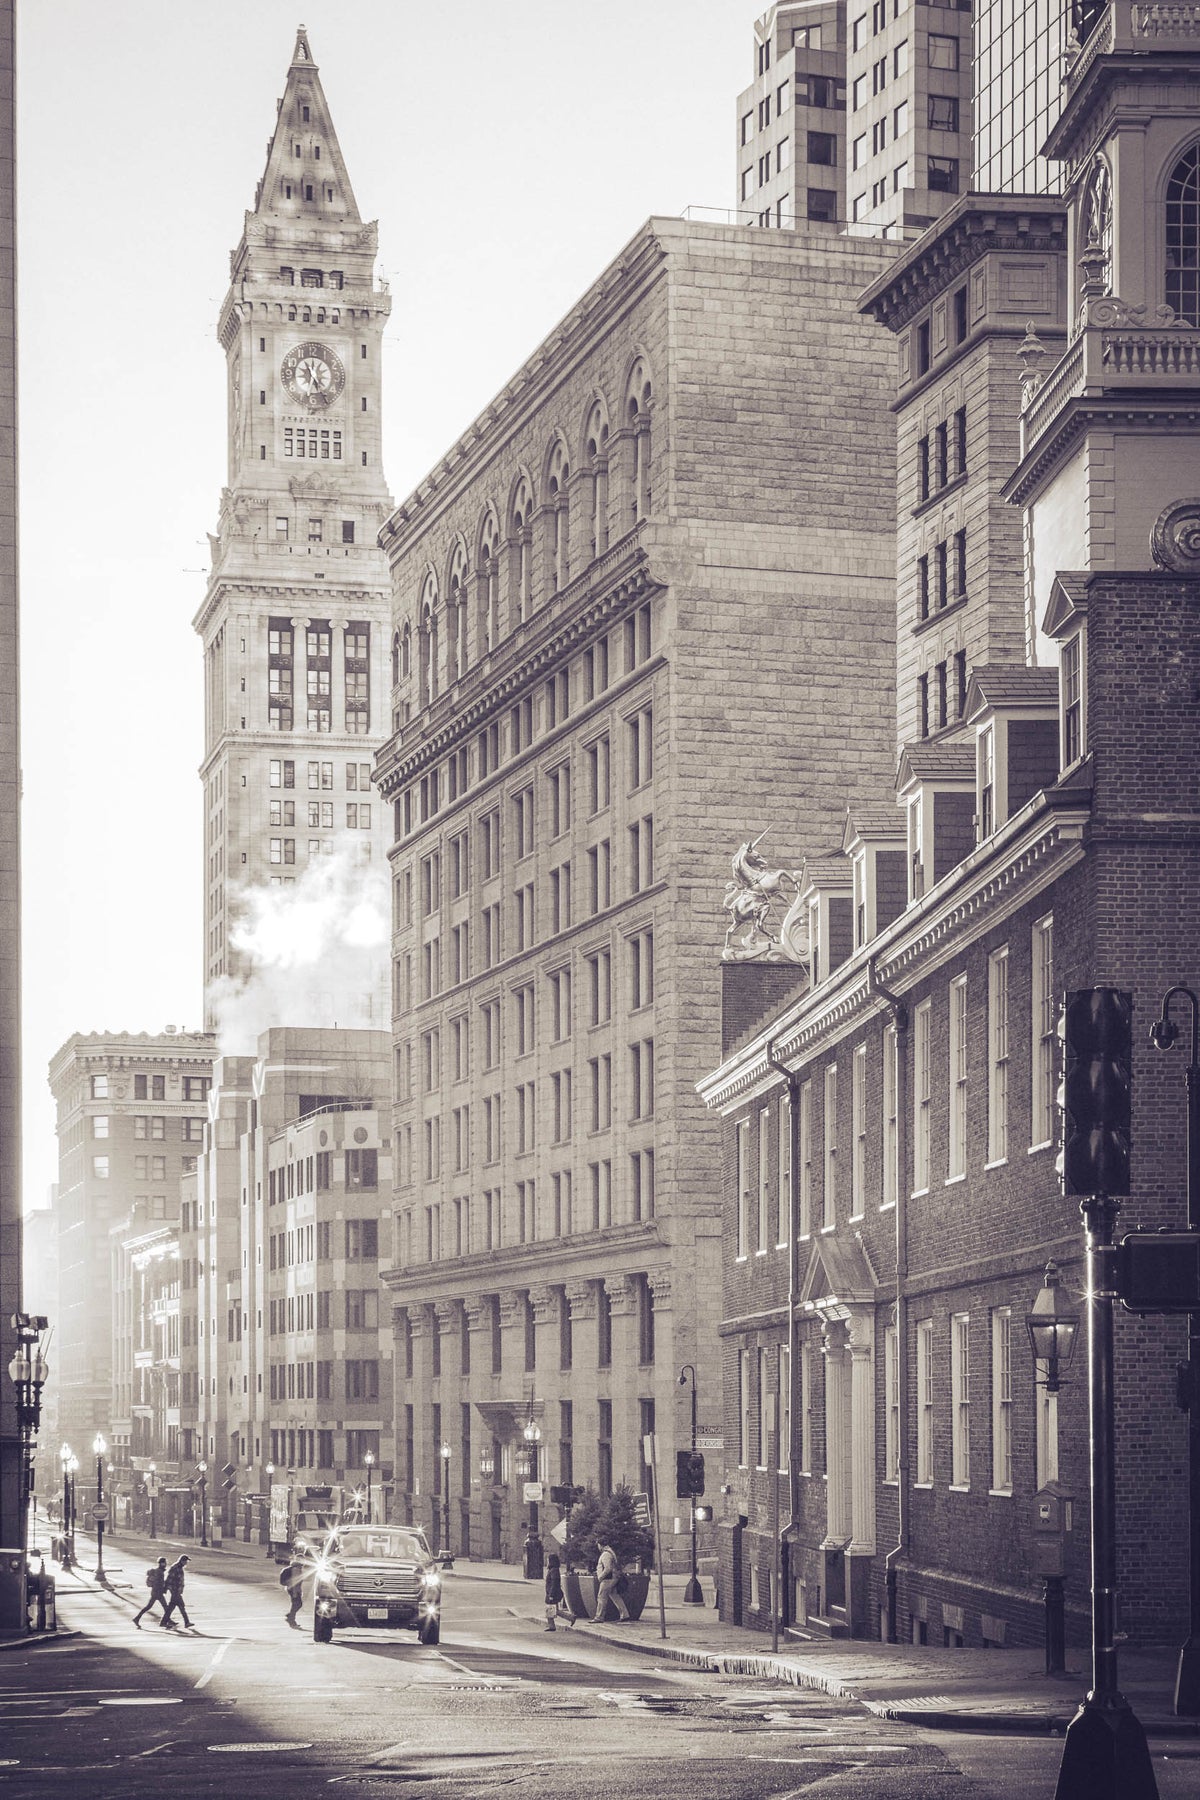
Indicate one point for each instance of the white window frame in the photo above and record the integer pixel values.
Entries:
(858, 1132)
(1002, 1480)
(783, 1172)
(806, 1429)
(743, 1408)
(742, 1178)
(891, 1404)
(764, 1409)
(891, 1118)
(924, 1399)
(1046, 1434)
(922, 1096)
(805, 1134)
(998, 1054)
(1072, 690)
(1043, 1021)
(764, 1180)
(784, 1447)
(830, 1127)
(956, 1150)
(960, 1401)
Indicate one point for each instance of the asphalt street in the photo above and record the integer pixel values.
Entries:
(241, 1702)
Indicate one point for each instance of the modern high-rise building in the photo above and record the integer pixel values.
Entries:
(294, 621)
(791, 119)
(131, 1115)
(1020, 60)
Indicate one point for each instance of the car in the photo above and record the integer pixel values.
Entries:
(377, 1576)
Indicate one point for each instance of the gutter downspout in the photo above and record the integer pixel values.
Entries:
(899, 1020)
(784, 1532)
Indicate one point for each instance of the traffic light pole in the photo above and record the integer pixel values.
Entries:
(693, 1593)
(1163, 1034)
(1105, 1749)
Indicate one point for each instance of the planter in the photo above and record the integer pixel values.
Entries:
(580, 1592)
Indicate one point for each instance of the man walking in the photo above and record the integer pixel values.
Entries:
(174, 1586)
(608, 1573)
(156, 1581)
(291, 1577)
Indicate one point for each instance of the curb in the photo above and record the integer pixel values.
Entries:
(33, 1638)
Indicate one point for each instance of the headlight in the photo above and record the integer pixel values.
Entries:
(432, 1579)
(324, 1570)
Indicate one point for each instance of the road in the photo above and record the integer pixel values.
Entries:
(241, 1699)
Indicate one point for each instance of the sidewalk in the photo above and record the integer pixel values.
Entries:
(1001, 1691)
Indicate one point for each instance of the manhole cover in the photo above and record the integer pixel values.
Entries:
(246, 1749)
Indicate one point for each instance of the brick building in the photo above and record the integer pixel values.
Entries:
(625, 613)
(875, 1328)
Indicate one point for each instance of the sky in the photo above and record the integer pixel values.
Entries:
(508, 152)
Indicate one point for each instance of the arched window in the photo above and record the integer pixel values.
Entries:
(1183, 237)
(489, 582)
(456, 610)
(406, 651)
(428, 641)
(558, 471)
(638, 395)
(519, 535)
(595, 449)
(395, 658)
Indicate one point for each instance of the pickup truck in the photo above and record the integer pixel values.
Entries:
(376, 1576)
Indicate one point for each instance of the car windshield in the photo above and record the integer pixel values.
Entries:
(376, 1546)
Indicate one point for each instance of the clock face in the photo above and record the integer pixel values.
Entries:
(313, 375)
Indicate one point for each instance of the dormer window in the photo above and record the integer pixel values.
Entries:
(859, 869)
(1013, 710)
(986, 753)
(1071, 699)
(916, 848)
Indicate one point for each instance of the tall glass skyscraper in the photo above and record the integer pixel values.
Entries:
(1019, 47)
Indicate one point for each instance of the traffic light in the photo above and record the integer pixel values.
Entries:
(1096, 1091)
(689, 1474)
(566, 1497)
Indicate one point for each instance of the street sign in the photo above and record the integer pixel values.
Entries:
(641, 1509)
(559, 1532)
(707, 1441)
(100, 1512)
(532, 1491)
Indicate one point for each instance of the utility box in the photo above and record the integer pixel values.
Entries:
(1053, 1517)
(14, 1617)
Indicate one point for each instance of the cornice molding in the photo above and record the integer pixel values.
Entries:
(958, 241)
(524, 1265)
(1055, 444)
(1038, 845)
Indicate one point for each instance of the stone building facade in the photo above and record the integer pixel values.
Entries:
(131, 1110)
(1050, 844)
(634, 603)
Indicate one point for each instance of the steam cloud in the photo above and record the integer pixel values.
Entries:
(312, 953)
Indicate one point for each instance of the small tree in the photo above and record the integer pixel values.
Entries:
(618, 1526)
(581, 1546)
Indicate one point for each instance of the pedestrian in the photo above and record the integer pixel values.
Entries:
(156, 1581)
(174, 1585)
(556, 1606)
(608, 1574)
(291, 1577)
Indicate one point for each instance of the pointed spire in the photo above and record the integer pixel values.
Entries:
(305, 180)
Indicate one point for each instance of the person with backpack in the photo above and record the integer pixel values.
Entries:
(174, 1586)
(608, 1575)
(556, 1606)
(156, 1581)
(291, 1577)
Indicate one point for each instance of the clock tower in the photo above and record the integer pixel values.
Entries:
(296, 617)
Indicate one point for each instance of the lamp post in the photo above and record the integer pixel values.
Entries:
(446, 1454)
(369, 1461)
(269, 1472)
(202, 1482)
(152, 1491)
(64, 1457)
(98, 1511)
(1052, 1326)
(72, 1470)
(692, 1592)
(28, 1370)
(534, 1559)
(1163, 1033)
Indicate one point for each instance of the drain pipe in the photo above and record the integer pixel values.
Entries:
(899, 1019)
(783, 1533)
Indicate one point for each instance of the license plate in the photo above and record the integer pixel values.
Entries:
(377, 1612)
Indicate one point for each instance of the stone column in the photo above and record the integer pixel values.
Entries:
(478, 1385)
(862, 1433)
(626, 1451)
(837, 1428)
(547, 1377)
(580, 1385)
(422, 1394)
(337, 677)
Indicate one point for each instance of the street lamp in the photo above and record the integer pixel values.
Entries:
(64, 1457)
(99, 1511)
(72, 1470)
(202, 1483)
(269, 1472)
(534, 1558)
(446, 1455)
(692, 1592)
(28, 1370)
(1163, 1033)
(152, 1490)
(1052, 1325)
(369, 1461)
